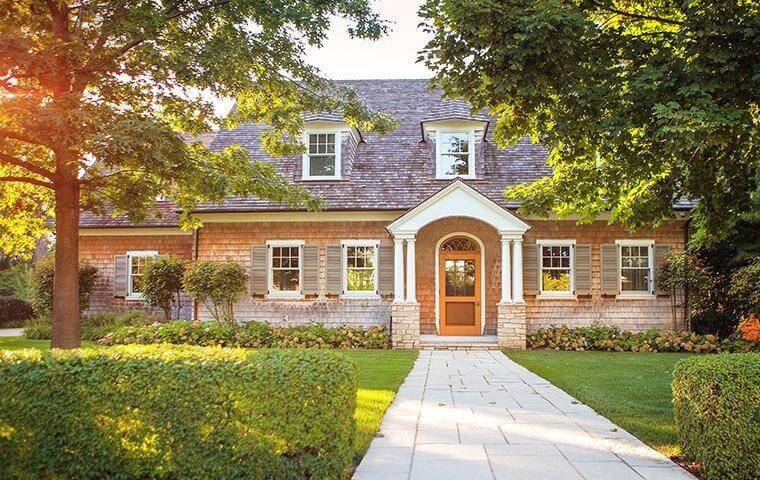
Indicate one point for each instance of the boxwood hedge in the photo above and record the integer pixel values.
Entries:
(717, 409)
(167, 412)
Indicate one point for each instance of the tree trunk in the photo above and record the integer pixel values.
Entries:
(65, 314)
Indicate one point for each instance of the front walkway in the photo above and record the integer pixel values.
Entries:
(11, 332)
(479, 415)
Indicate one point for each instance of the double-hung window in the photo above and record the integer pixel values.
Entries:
(360, 267)
(455, 154)
(135, 266)
(322, 158)
(556, 264)
(285, 273)
(636, 266)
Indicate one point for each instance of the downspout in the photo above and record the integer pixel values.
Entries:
(196, 243)
(686, 309)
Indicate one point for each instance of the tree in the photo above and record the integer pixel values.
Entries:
(162, 283)
(218, 286)
(98, 97)
(641, 103)
(685, 272)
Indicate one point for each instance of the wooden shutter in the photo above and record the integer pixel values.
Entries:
(660, 255)
(385, 264)
(310, 269)
(120, 276)
(259, 269)
(334, 270)
(582, 265)
(610, 269)
(530, 269)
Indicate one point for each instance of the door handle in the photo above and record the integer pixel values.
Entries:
(477, 304)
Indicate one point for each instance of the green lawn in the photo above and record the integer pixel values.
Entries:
(381, 372)
(631, 389)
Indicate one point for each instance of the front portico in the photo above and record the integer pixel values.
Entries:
(458, 270)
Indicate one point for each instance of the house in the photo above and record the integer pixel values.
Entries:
(416, 236)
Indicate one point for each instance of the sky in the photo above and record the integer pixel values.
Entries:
(393, 56)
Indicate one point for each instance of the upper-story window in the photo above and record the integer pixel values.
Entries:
(322, 158)
(455, 154)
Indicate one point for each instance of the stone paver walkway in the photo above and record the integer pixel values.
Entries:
(11, 332)
(479, 415)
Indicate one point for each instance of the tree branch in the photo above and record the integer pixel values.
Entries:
(33, 181)
(9, 160)
(4, 133)
(639, 16)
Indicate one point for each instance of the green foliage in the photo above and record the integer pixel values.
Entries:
(641, 104)
(43, 275)
(162, 283)
(682, 271)
(15, 281)
(94, 327)
(217, 286)
(717, 408)
(745, 287)
(14, 312)
(610, 338)
(164, 412)
(250, 335)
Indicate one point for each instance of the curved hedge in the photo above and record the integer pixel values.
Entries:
(164, 412)
(717, 408)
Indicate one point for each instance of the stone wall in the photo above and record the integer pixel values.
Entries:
(511, 325)
(406, 325)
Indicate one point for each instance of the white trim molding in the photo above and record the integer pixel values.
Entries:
(324, 216)
(132, 231)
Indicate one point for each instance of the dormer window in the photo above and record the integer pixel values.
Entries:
(322, 159)
(455, 154)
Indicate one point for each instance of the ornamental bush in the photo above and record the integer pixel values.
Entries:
(717, 409)
(162, 283)
(14, 312)
(43, 275)
(217, 286)
(745, 287)
(164, 412)
(250, 335)
(611, 338)
(94, 327)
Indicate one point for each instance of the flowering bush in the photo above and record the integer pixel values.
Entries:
(750, 328)
(251, 335)
(611, 338)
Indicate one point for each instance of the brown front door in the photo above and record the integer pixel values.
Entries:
(459, 292)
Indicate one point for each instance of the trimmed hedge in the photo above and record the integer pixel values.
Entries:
(610, 338)
(94, 327)
(250, 335)
(717, 409)
(167, 412)
(14, 312)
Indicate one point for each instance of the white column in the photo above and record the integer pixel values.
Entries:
(517, 273)
(411, 276)
(506, 284)
(398, 269)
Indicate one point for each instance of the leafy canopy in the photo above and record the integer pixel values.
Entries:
(642, 103)
(108, 96)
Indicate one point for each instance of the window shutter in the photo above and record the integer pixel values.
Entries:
(334, 270)
(582, 265)
(310, 270)
(385, 263)
(259, 269)
(610, 269)
(530, 269)
(120, 276)
(660, 255)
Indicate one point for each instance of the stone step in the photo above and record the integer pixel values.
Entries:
(450, 342)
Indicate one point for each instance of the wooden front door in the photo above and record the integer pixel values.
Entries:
(459, 281)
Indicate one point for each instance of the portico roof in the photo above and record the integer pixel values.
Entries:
(458, 199)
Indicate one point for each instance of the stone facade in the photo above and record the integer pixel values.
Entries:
(511, 325)
(405, 325)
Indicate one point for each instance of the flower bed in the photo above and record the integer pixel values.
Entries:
(250, 335)
(610, 338)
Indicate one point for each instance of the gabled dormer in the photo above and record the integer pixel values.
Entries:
(330, 148)
(455, 143)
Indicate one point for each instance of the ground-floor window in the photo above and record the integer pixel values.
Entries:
(635, 266)
(556, 263)
(285, 267)
(135, 266)
(360, 267)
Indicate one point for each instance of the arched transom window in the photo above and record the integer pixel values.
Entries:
(459, 244)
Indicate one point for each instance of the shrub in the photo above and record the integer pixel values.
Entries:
(164, 412)
(610, 338)
(43, 275)
(94, 327)
(162, 282)
(682, 271)
(744, 287)
(14, 312)
(15, 281)
(750, 328)
(251, 335)
(217, 286)
(722, 324)
(717, 409)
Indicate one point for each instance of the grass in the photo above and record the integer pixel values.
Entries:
(631, 389)
(381, 372)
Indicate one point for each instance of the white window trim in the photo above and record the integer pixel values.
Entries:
(271, 293)
(636, 294)
(439, 173)
(136, 254)
(570, 294)
(344, 268)
(307, 159)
